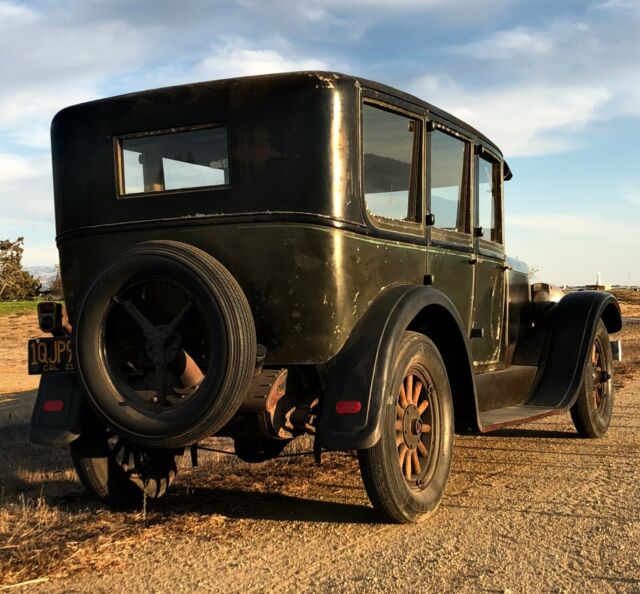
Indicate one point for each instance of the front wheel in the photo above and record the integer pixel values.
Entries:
(406, 472)
(119, 473)
(593, 409)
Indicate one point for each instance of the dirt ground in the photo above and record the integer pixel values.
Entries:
(530, 509)
(15, 331)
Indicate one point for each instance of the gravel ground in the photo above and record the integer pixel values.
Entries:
(527, 510)
(532, 509)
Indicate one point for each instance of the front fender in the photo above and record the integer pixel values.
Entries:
(363, 367)
(564, 337)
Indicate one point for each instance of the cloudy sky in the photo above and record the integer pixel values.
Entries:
(555, 83)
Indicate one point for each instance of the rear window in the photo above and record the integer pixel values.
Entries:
(174, 161)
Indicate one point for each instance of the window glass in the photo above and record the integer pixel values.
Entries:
(193, 159)
(487, 199)
(390, 155)
(447, 181)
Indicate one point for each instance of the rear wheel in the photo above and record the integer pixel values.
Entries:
(406, 472)
(593, 409)
(120, 473)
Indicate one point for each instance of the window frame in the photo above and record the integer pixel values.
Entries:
(498, 185)
(119, 160)
(416, 189)
(439, 234)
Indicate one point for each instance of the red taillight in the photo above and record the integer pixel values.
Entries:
(53, 406)
(348, 407)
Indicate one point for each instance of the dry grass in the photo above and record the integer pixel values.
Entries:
(628, 368)
(629, 302)
(50, 528)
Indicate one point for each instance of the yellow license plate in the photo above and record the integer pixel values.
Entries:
(50, 355)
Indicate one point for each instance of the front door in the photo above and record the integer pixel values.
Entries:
(486, 334)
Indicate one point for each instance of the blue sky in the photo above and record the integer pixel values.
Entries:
(555, 83)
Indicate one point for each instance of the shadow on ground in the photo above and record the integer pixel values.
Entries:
(253, 505)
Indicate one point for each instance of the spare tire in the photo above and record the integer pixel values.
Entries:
(159, 311)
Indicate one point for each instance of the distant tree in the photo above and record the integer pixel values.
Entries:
(15, 283)
(55, 288)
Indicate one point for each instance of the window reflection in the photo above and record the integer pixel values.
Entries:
(447, 181)
(193, 159)
(390, 155)
(487, 196)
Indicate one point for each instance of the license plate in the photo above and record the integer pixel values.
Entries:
(50, 355)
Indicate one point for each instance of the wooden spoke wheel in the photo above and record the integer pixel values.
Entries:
(593, 408)
(413, 426)
(599, 376)
(406, 472)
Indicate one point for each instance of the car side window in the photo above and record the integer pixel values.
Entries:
(488, 217)
(448, 181)
(391, 147)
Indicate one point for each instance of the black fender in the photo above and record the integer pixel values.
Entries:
(57, 414)
(564, 337)
(362, 369)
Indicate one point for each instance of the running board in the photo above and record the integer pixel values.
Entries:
(497, 418)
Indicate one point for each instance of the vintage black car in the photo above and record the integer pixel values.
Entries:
(269, 256)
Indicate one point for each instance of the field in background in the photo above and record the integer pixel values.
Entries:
(50, 529)
(629, 302)
(17, 307)
(630, 335)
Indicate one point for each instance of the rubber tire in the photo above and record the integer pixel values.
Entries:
(105, 479)
(584, 414)
(213, 408)
(383, 479)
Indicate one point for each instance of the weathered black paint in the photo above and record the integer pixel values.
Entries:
(362, 369)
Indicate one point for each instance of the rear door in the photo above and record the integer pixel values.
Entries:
(450, 252)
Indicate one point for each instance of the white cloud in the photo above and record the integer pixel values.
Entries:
(12, 15)
(622, 5)
(235, 57)
(513, 44)
(48, 66)
(26, 191)
(13, 168)
(522, 119)
(382, 5)
(535, 90)
(631, 194)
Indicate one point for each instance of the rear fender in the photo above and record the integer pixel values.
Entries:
(57, 414)
(362, 369)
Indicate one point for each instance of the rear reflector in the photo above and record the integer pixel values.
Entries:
(348, 407)
(53, 406)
